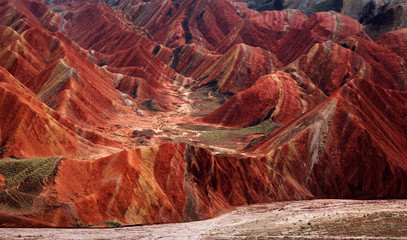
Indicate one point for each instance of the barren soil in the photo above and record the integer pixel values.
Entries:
(313, 219)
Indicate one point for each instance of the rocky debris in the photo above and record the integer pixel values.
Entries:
(150, 105)
(122, 95)
(288, 219)
(128, 102)
(138, 111)
(142, 142)
(146, 133)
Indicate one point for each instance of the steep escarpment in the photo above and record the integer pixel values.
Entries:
(135, 187)
(300, 161)
(378, 131)
(192, 60)
(388, 68)
(124, 50)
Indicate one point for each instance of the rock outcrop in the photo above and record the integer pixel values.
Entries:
(395, 41)
(174, 24)
(263, 30)
(239, 68)
(319, 28)
(135, 187)
(275, 96)
(352, 142)
(377, 16)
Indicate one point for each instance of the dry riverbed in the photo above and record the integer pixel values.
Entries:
(314, 219)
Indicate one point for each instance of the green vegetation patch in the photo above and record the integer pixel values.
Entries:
(26, 172)
(113, 224)
(196, 127)
(227, 138)
(230, 136)
(208, 99)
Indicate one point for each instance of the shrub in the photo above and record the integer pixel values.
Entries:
(113, 224)
(26, 173)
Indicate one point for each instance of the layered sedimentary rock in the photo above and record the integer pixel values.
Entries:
(360, 126)
(388, 68)
(263, 30)
(173, 24)
(125, 50)
(61, 77)
(378, 16)
(99, 106)
(135, 187)
(27, 123)
(23, 14)
(106, 30)
(275, 96)
(329, 66)
(360, 10)
(192, 60)
(304, 159)
(395, 41)
(319, 28)
(239, 68)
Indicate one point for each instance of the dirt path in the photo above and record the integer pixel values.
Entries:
(314, 219)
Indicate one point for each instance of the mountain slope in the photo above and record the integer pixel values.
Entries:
(360, 126)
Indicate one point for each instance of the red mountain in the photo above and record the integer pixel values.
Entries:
(263, 30)
(276, 96)
(175, 23)
(395, 41)
(149, 112)
(350, 143)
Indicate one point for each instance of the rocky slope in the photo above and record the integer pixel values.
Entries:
(360, 126)
(275, 96)
(166, 111)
